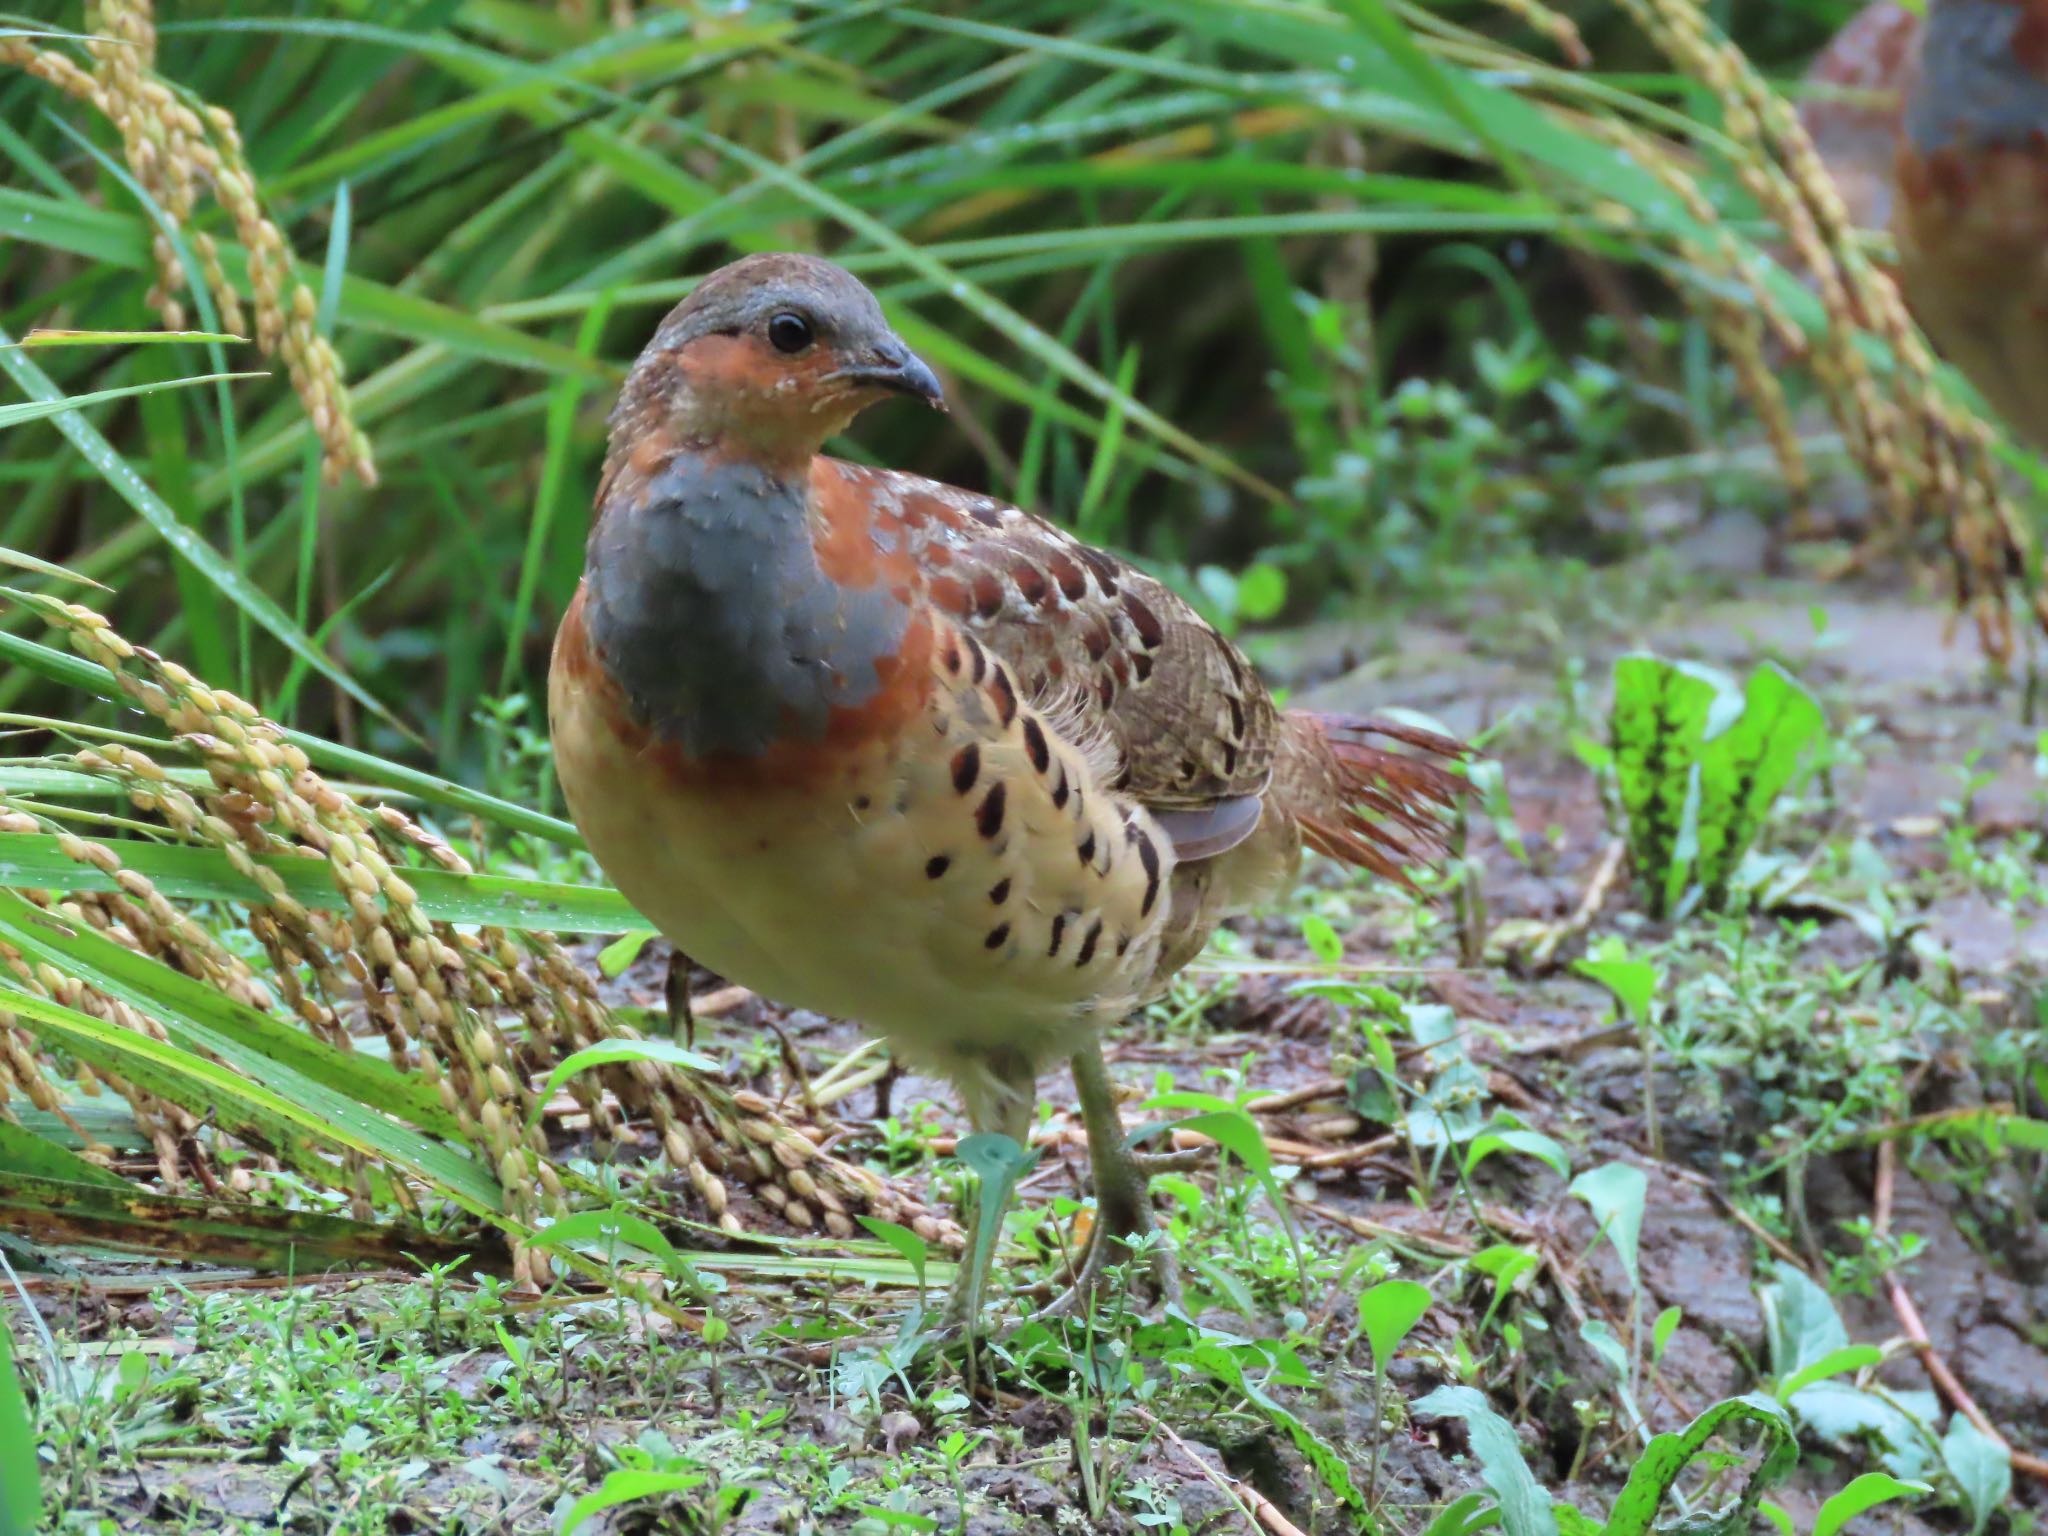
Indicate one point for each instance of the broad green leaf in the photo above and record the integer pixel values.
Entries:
(1616, 1192)
(1662, 1330)
(1322, 939)
(1897, 1422)
(1231, 1129)
(1850, 1357)
(907, 1243)
(616, 957)
(1698, 765)
(1633, 982)
(625, 1487)
(23, 1154)
(1865, 1493)
(1981, 1467)
(2023, 1131)
(1389, 1311)
(197, 1016)
(1804, 1325)
(608, 1053)
(1518, 1139)
(1524, 1507)
(610, 1233)
(303, 1107)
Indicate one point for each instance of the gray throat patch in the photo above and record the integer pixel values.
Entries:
(1974, 90)
(706, 605)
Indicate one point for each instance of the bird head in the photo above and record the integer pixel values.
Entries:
(769, 357)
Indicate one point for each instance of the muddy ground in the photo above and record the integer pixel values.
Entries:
(1912, 700)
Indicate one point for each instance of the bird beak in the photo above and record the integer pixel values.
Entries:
(894, 367)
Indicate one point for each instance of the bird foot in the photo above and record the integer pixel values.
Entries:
(1165, 1268)
(1141, 1237)
(1150, 1164)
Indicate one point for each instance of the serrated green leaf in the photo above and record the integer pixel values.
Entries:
(1657, 1469)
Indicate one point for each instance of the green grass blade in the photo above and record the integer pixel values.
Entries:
(199, 1017)
(21, 1488)
(33, 861)
(297, 1109)
(131, 487)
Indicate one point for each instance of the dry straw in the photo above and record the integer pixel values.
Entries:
(174, 147)
(482, 1015)
(1922, 454)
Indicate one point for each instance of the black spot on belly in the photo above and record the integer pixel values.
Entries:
(1149, 857)
(988, 820)
(1000, 891)
(1035, 744)
(936, 866)
(1088, 943)
(1059, 790)
(966, 768)
(1059, 932)
(1087, 849)
(997, 936)
(1004, 692)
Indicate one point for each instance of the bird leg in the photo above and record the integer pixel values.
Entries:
(1001, 1100)
(1123, 1203)
(999, 1095)
(675, 987)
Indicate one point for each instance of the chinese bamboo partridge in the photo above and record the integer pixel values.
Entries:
(1862, 78)
(1971, 214)
(901, 753)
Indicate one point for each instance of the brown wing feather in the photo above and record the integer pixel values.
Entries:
(1111, 653)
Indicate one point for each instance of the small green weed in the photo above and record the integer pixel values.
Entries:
(1698, 764)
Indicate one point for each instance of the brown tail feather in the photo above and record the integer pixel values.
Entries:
(1359, 801)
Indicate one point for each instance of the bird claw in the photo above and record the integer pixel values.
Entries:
(1095, 1266)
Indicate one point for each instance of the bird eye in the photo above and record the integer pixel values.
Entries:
(790, 331)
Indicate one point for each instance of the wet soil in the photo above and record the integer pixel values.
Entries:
(1917, 701)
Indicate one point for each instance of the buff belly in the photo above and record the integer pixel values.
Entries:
(872, 896)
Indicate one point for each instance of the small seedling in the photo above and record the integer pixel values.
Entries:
(1388, 1312)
